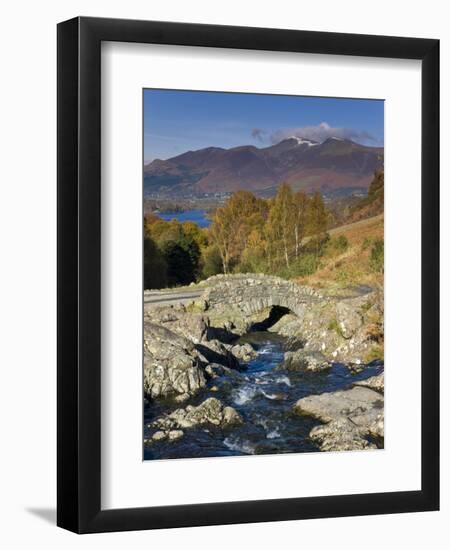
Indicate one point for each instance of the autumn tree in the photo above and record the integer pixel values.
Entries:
(253, 257)
(300, 220)
(179, 247)
(317, 221)
(199, 235)
(211, 261)
(155, 266)
(181, 258)
(233, 223)
(376, 187)
(280, 225)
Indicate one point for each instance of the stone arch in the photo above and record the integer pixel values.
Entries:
(251, 294)
(251, 306)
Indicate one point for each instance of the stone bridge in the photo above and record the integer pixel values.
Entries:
(251, 293)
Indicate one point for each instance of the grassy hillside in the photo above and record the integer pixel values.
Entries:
(353, 256)
(373, 204)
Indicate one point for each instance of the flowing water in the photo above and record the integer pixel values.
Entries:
(264, 397)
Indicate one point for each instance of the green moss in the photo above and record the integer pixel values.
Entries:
(366, 306)
(334, 325)
(197, 306)
(375, 352)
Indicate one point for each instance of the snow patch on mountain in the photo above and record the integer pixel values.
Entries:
(301, 141)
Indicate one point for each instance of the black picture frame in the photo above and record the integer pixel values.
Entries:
(79, 281)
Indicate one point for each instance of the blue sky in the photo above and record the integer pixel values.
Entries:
(179, 121)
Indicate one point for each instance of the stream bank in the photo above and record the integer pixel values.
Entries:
(264, 396)
(236, 372)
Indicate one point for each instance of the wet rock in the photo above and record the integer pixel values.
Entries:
(173, 435)
(340, 435)
(213, 370)
(275, 396)
(304, 360)
(213, 351)
(244, 352)
(356, 367)
(374, 383)
(171, 364)
(164, 435)
(159, 436)
(350, 416)
(182, 397)
(210, 412)
(230, 417)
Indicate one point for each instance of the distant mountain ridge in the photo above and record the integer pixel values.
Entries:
(305, 164)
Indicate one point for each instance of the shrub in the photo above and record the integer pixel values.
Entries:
(180, 264)
(337, 245)
(212, 262)
(348, 275)
(155, 266)
(366, 243)
(317, 245)
(306, 264)
(377, 256)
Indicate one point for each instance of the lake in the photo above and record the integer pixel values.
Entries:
(196, 216)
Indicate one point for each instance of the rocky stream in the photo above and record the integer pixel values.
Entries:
(237, 373)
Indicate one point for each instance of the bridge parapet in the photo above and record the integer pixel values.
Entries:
(251, 293)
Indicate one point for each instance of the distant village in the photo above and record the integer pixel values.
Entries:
(168, 202)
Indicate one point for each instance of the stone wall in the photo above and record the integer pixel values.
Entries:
(250, 293)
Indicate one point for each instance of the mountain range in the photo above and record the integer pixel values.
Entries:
(331, 166)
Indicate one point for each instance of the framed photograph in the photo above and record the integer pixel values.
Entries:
(248, 229)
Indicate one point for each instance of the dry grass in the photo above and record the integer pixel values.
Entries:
(351, 267)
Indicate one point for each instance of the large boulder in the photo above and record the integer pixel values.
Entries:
(210, 412)
(304, 360)
(171, 364)
(340, 435)
(374, 383)
(191, 325)
(351, 417)
(213, 351)
(329, 406)
(214, 370)
(244, 352)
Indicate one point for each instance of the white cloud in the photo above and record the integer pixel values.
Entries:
(323, 131)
